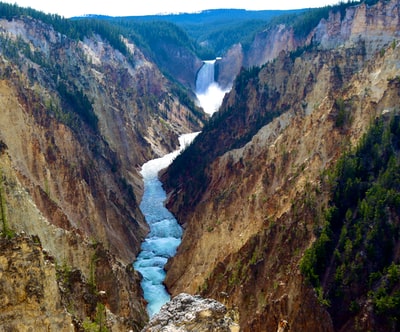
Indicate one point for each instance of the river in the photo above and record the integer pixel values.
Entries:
(165, 232)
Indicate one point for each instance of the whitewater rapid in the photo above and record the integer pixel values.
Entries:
(165, 232)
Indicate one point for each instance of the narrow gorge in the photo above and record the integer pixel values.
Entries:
(284, 212)
(165, 232)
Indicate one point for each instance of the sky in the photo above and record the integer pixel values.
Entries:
(72, 8)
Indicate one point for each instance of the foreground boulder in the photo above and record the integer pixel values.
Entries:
(192, 313)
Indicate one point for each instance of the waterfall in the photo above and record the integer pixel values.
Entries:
(209, 93)
(205, 76)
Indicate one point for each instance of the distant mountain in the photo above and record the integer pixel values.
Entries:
(215, 30)
(211, 16)
(214, 17)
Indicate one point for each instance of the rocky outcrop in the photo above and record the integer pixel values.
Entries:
(40, 294)
(30, 298)
(269, 43)
(229, 66)
(283, 326)
(266, 46)
(253, 201)
(376, 26)
(192, 313)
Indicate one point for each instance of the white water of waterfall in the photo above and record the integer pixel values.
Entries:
(208, 92)
(165, 232)
(205, 76)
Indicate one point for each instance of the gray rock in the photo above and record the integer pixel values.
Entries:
(191, 313)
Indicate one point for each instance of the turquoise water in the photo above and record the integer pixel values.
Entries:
(165, 232)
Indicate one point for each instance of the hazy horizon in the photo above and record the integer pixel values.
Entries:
(153, 7)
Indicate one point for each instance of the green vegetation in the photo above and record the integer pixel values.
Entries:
(6, 231)
(354, 257)
(149, 35)
(211, 32)
(74, 29)
(92, 274)
(78, 103)
(63, 273)
(386, 296)
(99, 323)
(11, 49)
(313, 263)
(343, 116)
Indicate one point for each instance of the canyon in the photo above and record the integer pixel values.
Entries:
(81, 113)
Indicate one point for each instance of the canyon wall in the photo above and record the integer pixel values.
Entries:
(253, 203)
(375, 25)
(78, 118)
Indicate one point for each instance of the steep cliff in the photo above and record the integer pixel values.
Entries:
(77, 119)
(86, 274)
(253, 203)
(339, 25)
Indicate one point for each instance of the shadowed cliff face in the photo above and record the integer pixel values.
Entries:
(249, 191)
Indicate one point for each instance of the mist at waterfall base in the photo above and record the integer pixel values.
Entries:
(209, 94)
(165, 232)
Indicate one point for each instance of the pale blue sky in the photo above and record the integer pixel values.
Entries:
(145, 7)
